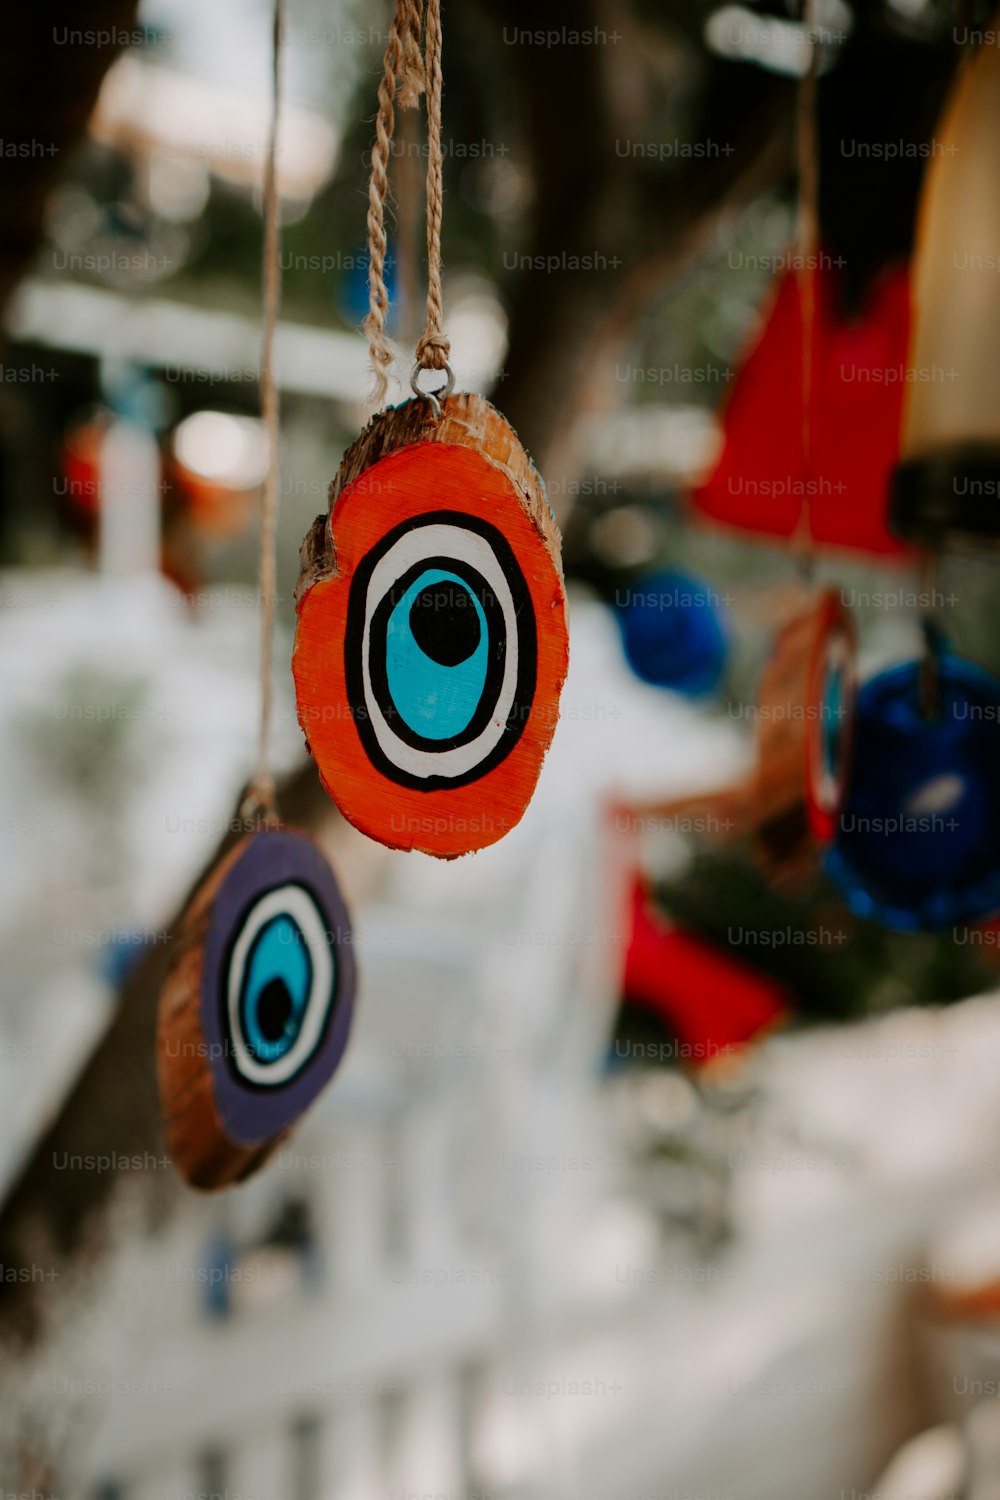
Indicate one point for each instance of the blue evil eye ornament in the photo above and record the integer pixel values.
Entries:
(256, 1009)
(673, 632)
(918, 841)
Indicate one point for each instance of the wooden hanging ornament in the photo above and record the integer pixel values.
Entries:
(789, 806)
(432, 641)
(807, 694)
(805, 717)
(432, 622)
(255, 1011)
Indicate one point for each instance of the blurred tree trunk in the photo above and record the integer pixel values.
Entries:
(49, 84)
(598, 205)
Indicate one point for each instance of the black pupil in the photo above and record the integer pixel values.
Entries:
(274, 1010)
(445, 623)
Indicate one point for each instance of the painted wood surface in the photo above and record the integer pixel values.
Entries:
(256, 1009)
(805, 713)
(432, 639)
(790, 803)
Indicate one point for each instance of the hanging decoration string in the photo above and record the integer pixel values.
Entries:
(409, 69)
(408, 225)
(433, 348)
(403, 69)
(808, 239)
(260, 800)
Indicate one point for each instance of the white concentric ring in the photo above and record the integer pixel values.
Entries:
(828, 781)
(295, 902)
(414, 547)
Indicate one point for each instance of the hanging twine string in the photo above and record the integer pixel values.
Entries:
(433, 347)
(808, 241)
(403, 70)
(408, 216)
(407, 71)
(260, 800)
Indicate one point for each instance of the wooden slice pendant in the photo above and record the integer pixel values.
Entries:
(432, 638)
(790, 804)
(805, 718)
(256, 1009)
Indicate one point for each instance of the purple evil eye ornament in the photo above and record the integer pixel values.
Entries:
(256, 1013)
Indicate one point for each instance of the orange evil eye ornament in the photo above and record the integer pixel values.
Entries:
(432, 642)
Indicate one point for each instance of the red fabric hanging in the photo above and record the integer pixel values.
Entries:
(711, 1002)
(858, 383)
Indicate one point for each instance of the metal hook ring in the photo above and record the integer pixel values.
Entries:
(433, 397)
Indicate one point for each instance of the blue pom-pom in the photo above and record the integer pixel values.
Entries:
(673, 632)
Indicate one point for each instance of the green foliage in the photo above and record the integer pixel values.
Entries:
(838, 967)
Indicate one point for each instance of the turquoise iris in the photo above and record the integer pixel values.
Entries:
(434, 699)
(275, 990)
